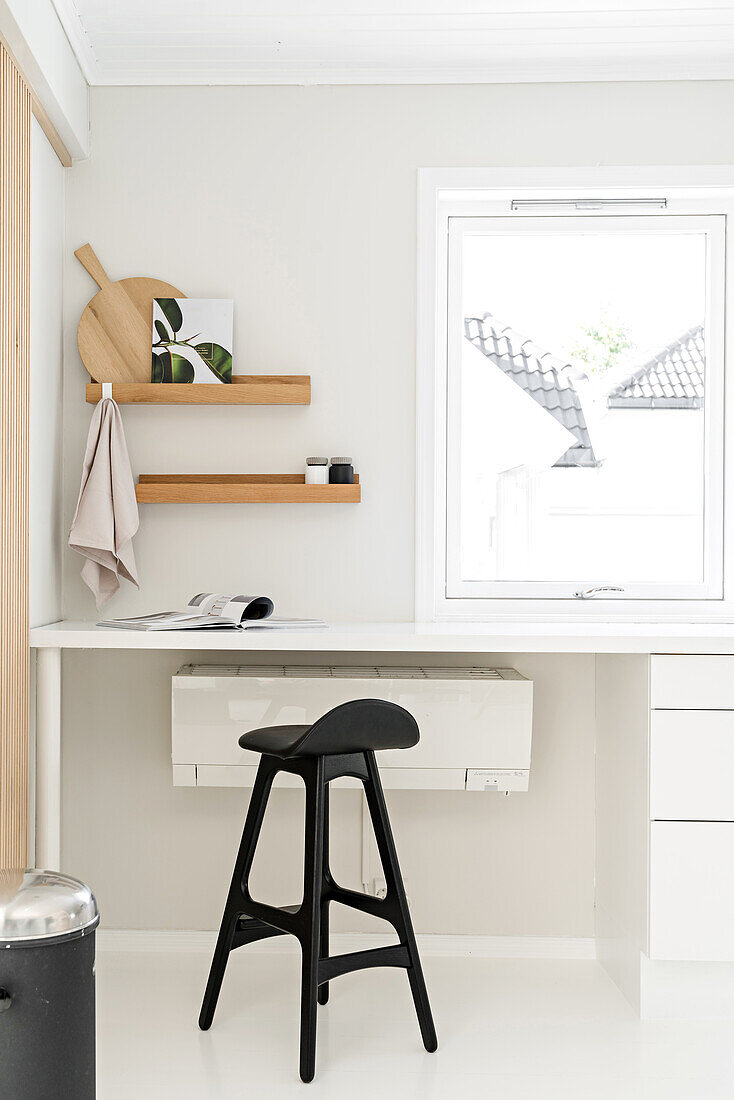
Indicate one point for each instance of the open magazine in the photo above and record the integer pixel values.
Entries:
(212, 610)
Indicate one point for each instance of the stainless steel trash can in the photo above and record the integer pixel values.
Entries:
(47, 1040)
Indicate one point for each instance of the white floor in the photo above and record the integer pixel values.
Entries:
(513, 1029)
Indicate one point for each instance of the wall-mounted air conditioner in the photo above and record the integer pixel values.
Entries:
(475, 723)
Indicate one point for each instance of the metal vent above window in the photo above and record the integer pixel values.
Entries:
(588, 204)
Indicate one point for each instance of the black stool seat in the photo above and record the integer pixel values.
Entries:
(364, 725)
(342, 743)
(280, 741)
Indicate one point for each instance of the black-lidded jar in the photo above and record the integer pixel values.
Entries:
(341, 472)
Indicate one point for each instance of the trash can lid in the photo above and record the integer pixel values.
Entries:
(43, 906)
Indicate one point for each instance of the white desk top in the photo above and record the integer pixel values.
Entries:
(409, 637)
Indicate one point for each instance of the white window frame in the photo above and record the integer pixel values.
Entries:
(444, 194)
(710, 225)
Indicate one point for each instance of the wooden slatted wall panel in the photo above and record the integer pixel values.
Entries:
(15, 143)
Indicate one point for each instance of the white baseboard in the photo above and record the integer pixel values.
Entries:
(484, 947)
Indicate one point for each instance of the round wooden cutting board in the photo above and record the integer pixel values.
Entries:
(115, 335)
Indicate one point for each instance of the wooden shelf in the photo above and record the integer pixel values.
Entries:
(241, 489)
(246, 389)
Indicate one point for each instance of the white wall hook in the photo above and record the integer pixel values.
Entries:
(106, 390)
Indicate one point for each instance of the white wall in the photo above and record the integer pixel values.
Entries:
(47, 258)
(300, 203)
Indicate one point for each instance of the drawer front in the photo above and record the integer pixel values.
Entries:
(692, 891)
(692, 765)
(691, 682)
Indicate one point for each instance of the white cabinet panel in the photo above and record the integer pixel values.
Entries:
(692, 891)
(692, 765)
(692, 682)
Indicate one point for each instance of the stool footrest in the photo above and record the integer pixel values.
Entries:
(365, 903)
(250, 930)
(260, 921)
(337, 965)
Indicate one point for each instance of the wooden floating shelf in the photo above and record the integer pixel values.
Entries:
(246, 389)
(241, 489)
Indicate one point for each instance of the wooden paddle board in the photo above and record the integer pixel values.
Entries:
(115, 335)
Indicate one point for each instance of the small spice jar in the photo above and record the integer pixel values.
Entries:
(341, 472)
(316, 471)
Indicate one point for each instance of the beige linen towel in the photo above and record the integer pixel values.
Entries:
(107, 512)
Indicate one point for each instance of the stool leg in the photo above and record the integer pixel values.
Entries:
(323, 994)
(253, 823)
(310, 912)
(396, 895)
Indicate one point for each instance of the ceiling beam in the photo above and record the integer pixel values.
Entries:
(33, 35)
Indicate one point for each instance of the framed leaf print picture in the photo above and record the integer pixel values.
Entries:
(192, 340)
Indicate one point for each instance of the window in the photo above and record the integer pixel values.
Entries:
(577, 378)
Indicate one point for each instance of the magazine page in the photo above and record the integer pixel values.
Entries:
(233, 608)
(171, 620)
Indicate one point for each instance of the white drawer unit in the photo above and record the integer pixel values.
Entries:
(691, 855)
(665, 830)
(692, 891)
(475, 723)
(692, 682)
(692, 765)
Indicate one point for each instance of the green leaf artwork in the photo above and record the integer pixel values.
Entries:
(170, 367)
(202, 329)
(172, 312)
(217, 358)
(163, 333)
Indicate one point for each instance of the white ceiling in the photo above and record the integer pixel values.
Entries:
(404, 41)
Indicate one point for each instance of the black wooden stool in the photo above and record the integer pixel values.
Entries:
(343, 742)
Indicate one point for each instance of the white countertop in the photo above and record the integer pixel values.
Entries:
(409, 637)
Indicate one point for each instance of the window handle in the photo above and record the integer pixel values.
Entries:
(589, 593)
